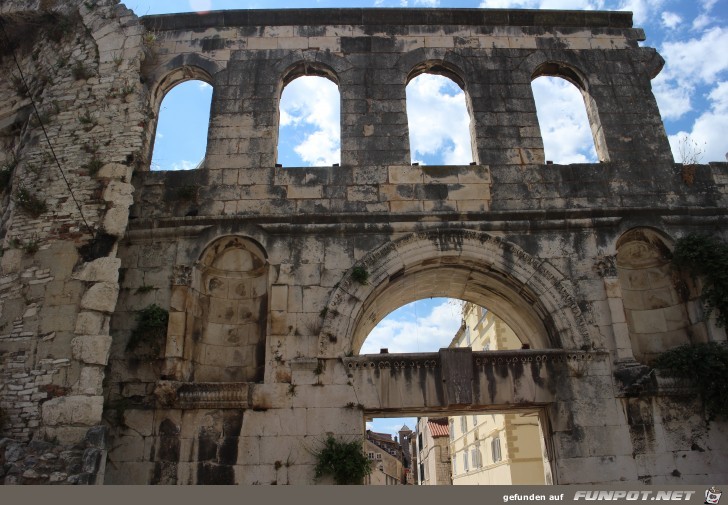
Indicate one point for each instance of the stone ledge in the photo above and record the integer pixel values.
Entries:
(202, 395)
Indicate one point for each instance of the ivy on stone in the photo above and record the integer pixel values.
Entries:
(345, 461)
(706, 257)
(150, 330)
(706, 365)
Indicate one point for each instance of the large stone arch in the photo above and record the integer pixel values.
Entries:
(532, 296)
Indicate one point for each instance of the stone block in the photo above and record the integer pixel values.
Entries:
(11, 260)
(91, 349)
(304, 192)
(617, 310)
(115, 171)
(119, 193)
(99, 270)
(70, 410)
(341, 421)
(279, 297)
(91, 323)
(90, 381)
(101, 297)
(140, 421)
(66, 435)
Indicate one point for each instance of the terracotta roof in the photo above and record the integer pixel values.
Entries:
(438, 429)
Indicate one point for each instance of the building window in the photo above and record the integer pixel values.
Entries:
(475, 457)
(379, 455)
(454, 466)
(561, 107)
(452, 429)
(370, 455)
(310, 122)
(495, 449)
(439, 118)
(422, 473)
(465, 461)
(419, 437)
(475, 420)
(463, 424)
(178, 148)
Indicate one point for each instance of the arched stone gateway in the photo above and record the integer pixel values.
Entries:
(532, 296)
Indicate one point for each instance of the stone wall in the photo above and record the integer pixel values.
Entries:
(64, 206)
(271, 277)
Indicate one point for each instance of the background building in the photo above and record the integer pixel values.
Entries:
(494, 448)
(433, 451)
(386, 453)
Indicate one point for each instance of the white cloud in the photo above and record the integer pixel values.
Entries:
(708, 132)
(439, 123)
(701, 21)
(670, 20)
(642, 10)
(184, 165)
(673, 100)
(689, 64)
(697, 59)
(427, 333)
(562, 117)
(427, 3)
(200, 5)
(310, 106)
(543, 4)
(203, 86)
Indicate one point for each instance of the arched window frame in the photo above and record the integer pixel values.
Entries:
(444, 69)
(303, 69)
(578, 79)
(168, 82)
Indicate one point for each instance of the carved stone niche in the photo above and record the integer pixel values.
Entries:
(227, 310)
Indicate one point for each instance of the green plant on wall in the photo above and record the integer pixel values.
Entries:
(707, 366)
(360, 275)
(30, 203)
(150, 331)
(706, 257)
(345, 461)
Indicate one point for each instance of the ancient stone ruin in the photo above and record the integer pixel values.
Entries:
(204, 326)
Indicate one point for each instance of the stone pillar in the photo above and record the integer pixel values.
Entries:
(374, 113)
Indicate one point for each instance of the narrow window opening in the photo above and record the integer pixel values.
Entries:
(440, 126)
(565, 126)
(309, 133)
(180, 140)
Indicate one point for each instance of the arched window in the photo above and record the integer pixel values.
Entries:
(440, 126)
(567, 137)
(309, 131)
(568, 115)
(180, 140)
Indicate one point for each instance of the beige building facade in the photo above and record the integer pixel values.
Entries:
(387, 469)
(494, 448)
(433, 452)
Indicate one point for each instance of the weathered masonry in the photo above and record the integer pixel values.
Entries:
(272, 277)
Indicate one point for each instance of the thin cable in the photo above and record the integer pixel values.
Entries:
(40, 121)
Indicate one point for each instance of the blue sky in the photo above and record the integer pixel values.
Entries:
(692, 94)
